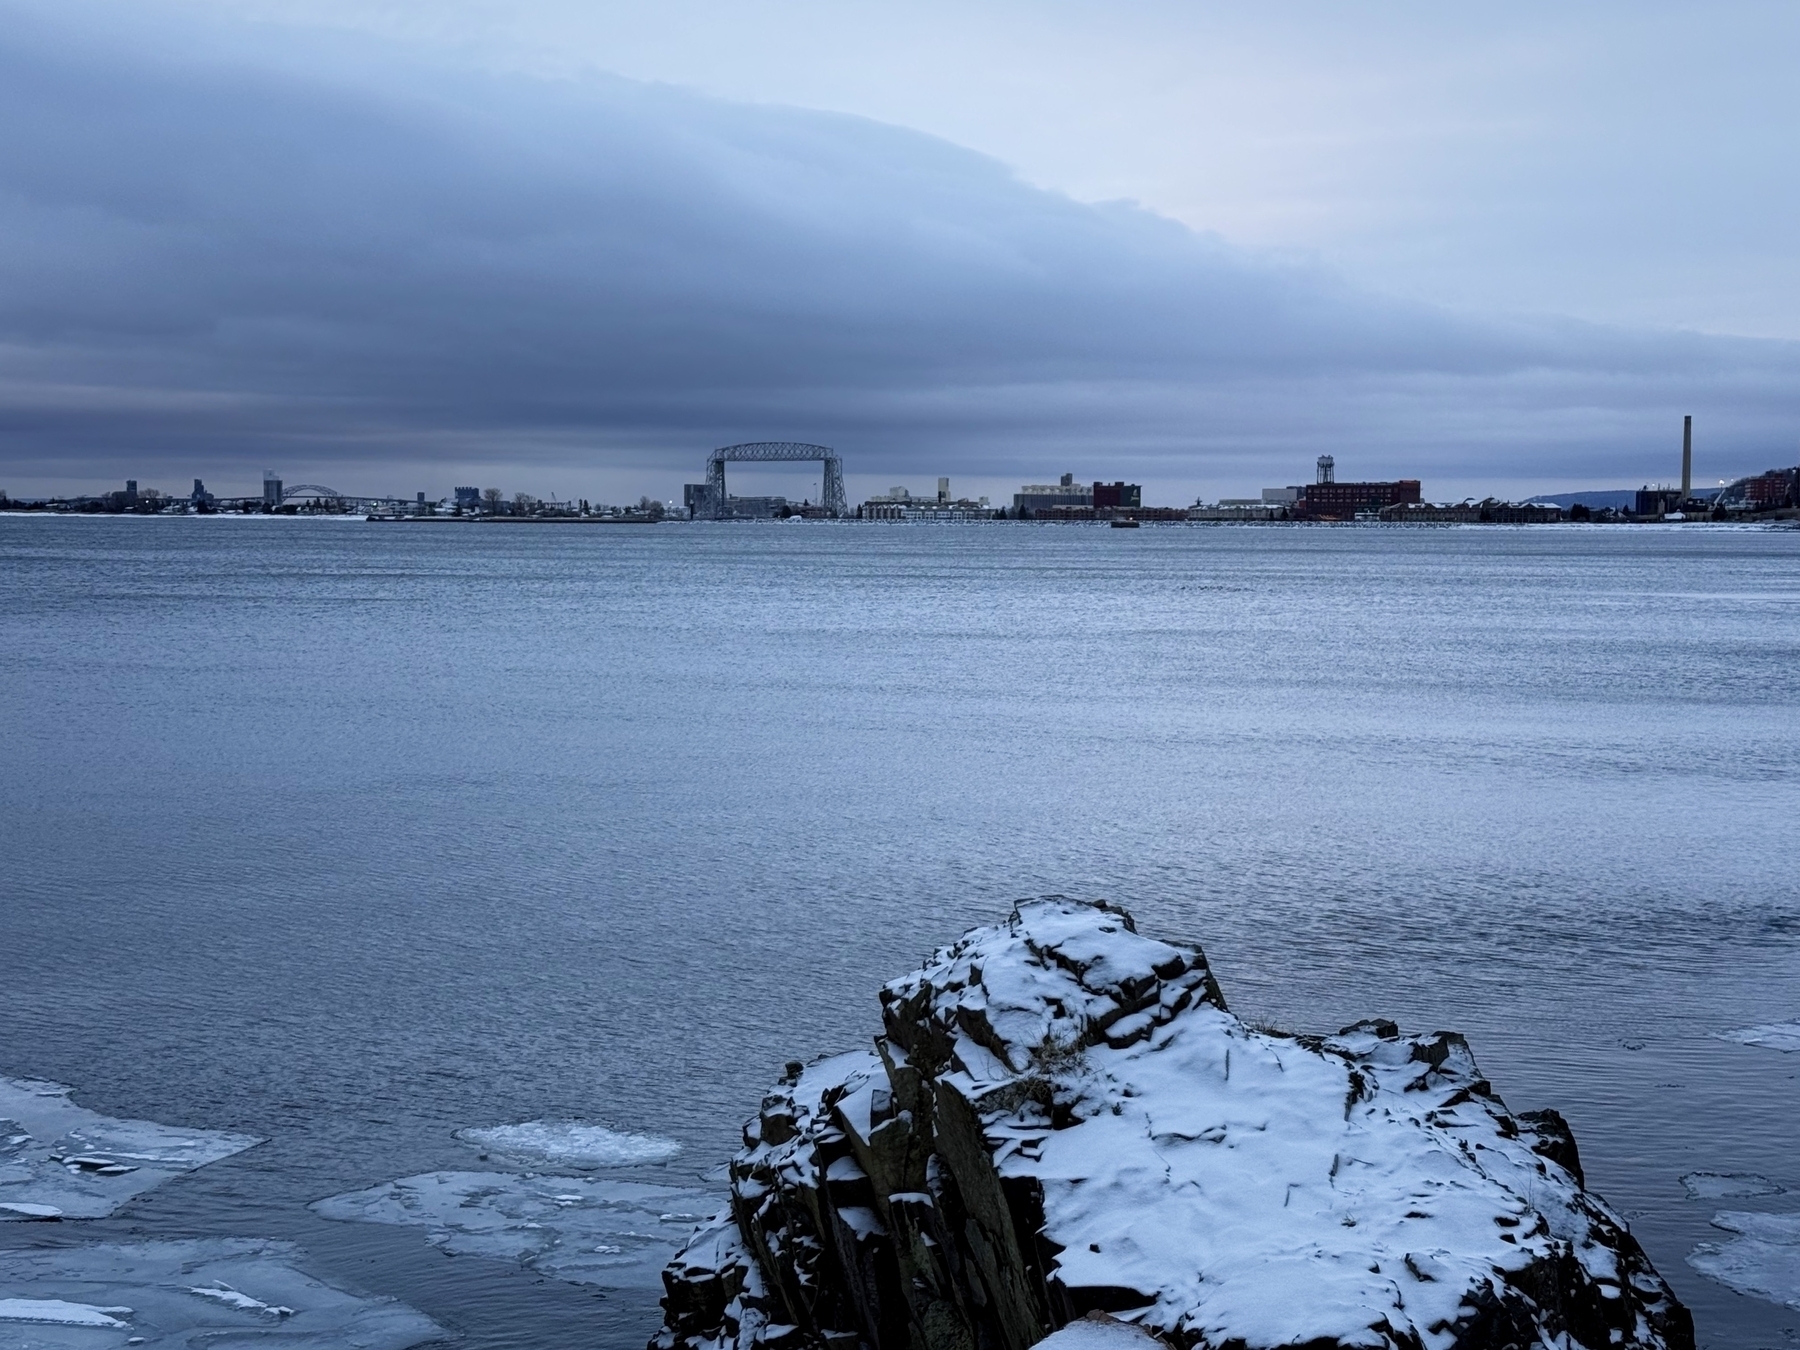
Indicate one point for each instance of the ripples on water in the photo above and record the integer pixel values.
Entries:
(354, 836)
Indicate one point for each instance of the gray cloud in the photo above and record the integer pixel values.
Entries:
(218, 254)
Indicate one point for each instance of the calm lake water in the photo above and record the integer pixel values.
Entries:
(352, 835)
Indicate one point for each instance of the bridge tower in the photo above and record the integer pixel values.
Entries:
(831, 495)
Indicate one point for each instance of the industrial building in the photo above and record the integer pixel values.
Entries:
(1657, 502)
(899, 504)
(702, 504)
(1069, 500)
(1346, 501)
(1327, 499)
(1123, 496)
(1653, 503)
(1035, 497)
(1772, 490)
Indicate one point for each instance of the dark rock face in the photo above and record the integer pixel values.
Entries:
(1063, 1119)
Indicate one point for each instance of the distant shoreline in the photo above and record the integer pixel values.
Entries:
(1784, 519)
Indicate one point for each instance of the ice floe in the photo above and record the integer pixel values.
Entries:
(1726, 1185)
(21, 1209)
(211, 1291)
(62, 1161)
(571, 1143)
(585, 1230)
(237, 1298)
(1763, 1259)
(60, 1311)
(1770, 1036)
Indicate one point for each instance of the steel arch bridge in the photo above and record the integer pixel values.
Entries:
(310, 490)
(831, 495)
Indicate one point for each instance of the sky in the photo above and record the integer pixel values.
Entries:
(566, 248)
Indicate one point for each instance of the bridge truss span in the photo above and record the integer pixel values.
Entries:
(831, 494)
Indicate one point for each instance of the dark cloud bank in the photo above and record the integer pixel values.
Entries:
(215, 261)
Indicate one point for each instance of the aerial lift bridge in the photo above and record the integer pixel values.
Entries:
(831, 494)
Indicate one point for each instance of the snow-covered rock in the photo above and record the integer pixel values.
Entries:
(1062, 1117)
(1101, 1331)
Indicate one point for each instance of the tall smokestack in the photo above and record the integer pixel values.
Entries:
(1687, 456)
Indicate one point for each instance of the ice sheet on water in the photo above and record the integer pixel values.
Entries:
(60, 1311)
(1770, 1035)
(589, 1231)
(570, 1143)
(60, 1160)
(1763, 1259)
(240, 1291)
(237, 1298)
(1726, 1185)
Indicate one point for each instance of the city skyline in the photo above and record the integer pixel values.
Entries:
(571, 250)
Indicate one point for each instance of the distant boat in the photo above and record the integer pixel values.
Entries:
(1125, 524)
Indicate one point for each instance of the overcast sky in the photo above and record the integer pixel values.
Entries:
(567, 247)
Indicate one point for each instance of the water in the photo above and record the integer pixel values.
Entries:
(354, 835)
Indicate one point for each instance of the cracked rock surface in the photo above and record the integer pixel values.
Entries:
(1062, 1118)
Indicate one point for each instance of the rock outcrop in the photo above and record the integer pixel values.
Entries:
(1062, 1118)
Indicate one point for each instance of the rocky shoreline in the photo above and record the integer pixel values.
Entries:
(1062, 1120)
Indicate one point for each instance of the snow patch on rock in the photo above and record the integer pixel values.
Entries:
(1098, 1331)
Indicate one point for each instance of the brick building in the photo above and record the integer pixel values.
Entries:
(1344, 501)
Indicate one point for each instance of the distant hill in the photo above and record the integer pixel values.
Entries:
(1604, 497)
(1614, 497)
